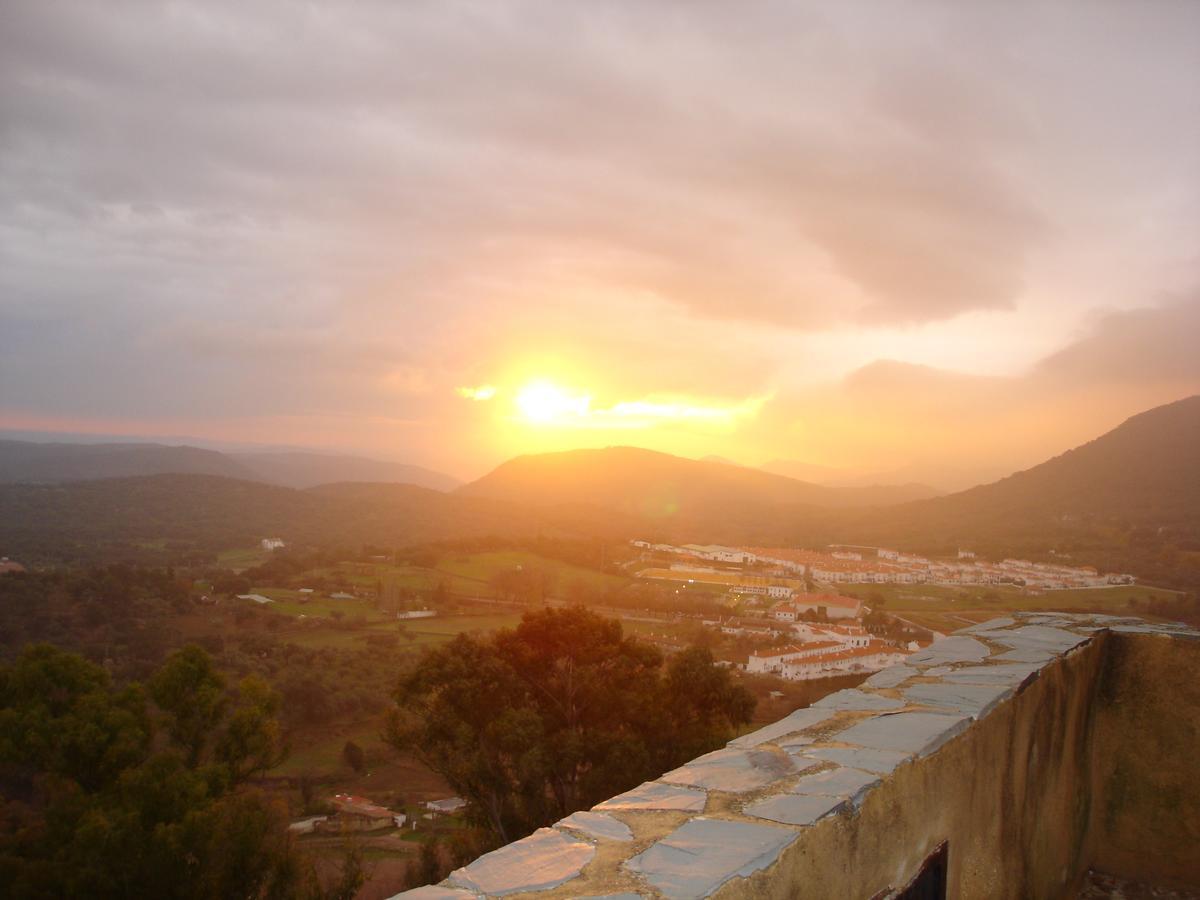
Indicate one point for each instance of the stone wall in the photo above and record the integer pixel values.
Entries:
(1032, 746)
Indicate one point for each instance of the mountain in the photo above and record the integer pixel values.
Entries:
(302, 470)
(657, 485)
(25, 461)
(103, 519)
(1144, 474)
(916, 479)
(29, 461)
(1127, 501)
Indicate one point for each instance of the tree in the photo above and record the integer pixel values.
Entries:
(191, 694)
(430, 865)
(353, 756)
(99, 806)
(252, 742)
(534, 723)
(703, 700)
(441, 594)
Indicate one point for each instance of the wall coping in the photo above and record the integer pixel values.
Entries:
(732, 812)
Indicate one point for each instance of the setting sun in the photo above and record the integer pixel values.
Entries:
(543, 402)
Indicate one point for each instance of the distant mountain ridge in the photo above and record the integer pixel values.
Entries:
(30, 461)
(925, 480)
(634, 481)
(26, 461)
(82, 521)
(1128, 500)
(304, 470)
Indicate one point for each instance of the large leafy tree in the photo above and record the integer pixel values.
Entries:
(105, 794)
(533, 723)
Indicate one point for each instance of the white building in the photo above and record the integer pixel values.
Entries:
(272, 544)
(846, 635)
(840, 660)
(719, 553)
(834, 605)
(773, 659)
(257, 598)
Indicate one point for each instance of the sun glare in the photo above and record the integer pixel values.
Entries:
(543, 402)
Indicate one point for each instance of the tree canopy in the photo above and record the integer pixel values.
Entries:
(107, 794)
(532, 723)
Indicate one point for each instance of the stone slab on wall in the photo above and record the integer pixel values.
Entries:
(1035, 745)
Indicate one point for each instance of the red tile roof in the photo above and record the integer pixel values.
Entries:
(874, 648)
(792, 649)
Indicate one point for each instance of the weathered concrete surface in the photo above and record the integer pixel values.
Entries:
(1036, 637)
(891, 677)
(795, 809)
(1084, 753)
(857, 700)
(1146, 761)
(958, 648)
(973, 699)
(733, 770)
(908, 732)
(653, 795)
(701, 855)
(1011, 674)
(840, 782)
(545, 859)
(1004, 792)
(796, 721)
(596, 825)
(878, 761)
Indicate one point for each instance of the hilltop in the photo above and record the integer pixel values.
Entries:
(660, 486)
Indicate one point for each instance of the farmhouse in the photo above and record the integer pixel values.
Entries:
(359, 814)
(834, 605)
(257, 598)
(447, 806)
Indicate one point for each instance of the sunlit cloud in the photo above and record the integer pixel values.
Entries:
(482, 392)
(542, 403)
(644, 413)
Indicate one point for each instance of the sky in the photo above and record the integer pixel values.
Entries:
(927, 241)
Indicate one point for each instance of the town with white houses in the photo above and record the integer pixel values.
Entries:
(790, 605)
(877, 565)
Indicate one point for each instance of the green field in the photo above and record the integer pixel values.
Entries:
(471, 574)
(480, 567)
(947, 608)
(414, 633)
(242, 559)
(946, 598)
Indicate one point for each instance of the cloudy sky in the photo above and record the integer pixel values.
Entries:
(923, 237)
